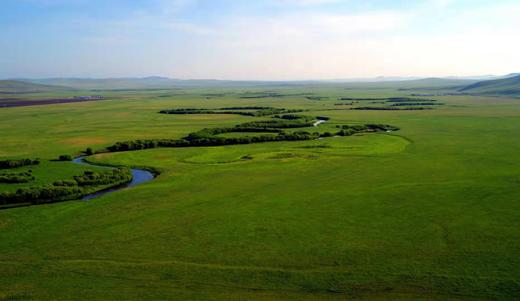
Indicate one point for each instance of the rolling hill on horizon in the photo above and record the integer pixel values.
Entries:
(506, 86)
(158, 82)
(17, 86)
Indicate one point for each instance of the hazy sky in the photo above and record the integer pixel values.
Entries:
(258, 39)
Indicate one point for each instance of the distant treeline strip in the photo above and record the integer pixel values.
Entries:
(5, 164)
(208, 137)
(390, 99)
(390, 109)
(269, 95)
(401, 104)
(66, 190)
(245, 111)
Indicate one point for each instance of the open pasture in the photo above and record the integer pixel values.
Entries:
(429, 212)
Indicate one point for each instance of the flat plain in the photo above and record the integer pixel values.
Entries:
(429, 212)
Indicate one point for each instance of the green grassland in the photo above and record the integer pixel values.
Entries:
(430, 212)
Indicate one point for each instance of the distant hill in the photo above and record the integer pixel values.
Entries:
(509, 86)
(16, 86)
(436, 85)
(153, 82)
(156, 82)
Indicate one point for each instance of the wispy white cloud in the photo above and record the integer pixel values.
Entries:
(433, 38)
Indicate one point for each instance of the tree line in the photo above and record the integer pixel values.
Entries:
(389, 99)
(15, 178)
(390, 108)
(399, 104)
(6, 164)
(64, 190)
(253, 111)
(209, 137)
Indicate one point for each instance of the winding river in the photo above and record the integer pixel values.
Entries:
(139, 176)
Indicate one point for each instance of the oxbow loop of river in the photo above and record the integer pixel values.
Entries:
(139, 176)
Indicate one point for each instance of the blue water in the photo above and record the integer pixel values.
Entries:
(139, 176)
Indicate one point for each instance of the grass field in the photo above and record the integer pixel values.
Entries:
(430, 212)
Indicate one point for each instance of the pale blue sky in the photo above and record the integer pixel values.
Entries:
(277, 40)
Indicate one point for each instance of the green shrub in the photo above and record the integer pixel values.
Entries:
(5, 164)
(65, 158)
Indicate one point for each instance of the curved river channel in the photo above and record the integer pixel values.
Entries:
(139, 176)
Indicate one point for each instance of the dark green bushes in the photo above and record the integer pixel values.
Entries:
(146, 144)
(253, 111)
(399, 104)
(389, 99)
(186, 111)
(358, 98)
(276, 124)
(5, 164)
(246, 108)
(205, 138)
(290, 116)
(40, 195)
(118, 175)
(65, 158)
(323, 118)
(407, 99)
(390, 108)
(13, 178)
(67, 189)
(348, 130)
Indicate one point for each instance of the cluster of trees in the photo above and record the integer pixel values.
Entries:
(294, 117)
(276, 124)
(40, 195)
(253, 111)
(358, 98)
(263, 95)
(201, 139)
(268, 112)
(14, 178)
(399, 104)
(117, 175)
(316, 97)
(65, 158)
(390, 108)
(246, 108)
(389, 99)
(67, 189)
(5, 164)
(323, 118)
(348, 130)
(186, 111)
(408, 99)
(217, 141)
(146, 144)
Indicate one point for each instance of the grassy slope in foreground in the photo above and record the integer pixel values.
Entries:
(373, 217)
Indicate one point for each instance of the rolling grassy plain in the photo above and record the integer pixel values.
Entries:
(430, 212)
